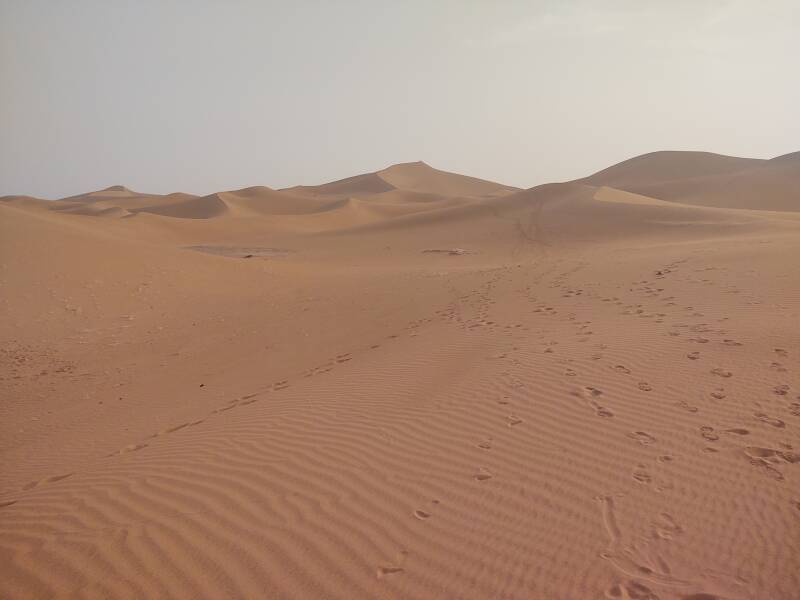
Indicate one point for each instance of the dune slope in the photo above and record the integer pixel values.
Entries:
(410, 177)
(706, 179)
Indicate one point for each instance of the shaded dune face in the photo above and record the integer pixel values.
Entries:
(706, 179)
(658, 167)
(406, 384)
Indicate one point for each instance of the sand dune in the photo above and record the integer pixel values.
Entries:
(111, 192)
(26, 201)
(262, 200)
(370, 183)
(120, 196)
(407, 384)
(420, 177)
(709, 179)
(410, 177)
(99, 209)
(660, 167)
(770, 186)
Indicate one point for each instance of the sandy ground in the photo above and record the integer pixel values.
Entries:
(589, 393)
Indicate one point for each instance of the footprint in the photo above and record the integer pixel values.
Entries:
(343, 358)
(483, 475)
(718, 395)
(645, 439)
(384, 571)
(602, 411)
(421, 514)
(485, 445)
(665, 527)
(631, 590)
(665, 458)
(794, 409)
(693, 355)
(133, 448)
(765, 418)
(686, 406)
(645, 387)
(721, 372)
(622, 369)
(708, 433)
(767, 468)
(731, 343)
(738, 431)
(513, 420)
(641, 474)
(778, 367)
(781, 390)
(772, 455)
(766, 458)
(781, 352)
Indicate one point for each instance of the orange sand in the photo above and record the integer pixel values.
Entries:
(592, 389)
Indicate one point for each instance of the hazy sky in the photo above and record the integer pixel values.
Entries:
(201, 96)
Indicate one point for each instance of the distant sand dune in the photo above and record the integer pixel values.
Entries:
(709, 179)
(410, 177)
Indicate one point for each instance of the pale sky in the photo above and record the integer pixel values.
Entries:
(201, 96)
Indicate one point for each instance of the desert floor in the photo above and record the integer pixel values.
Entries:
(417, 385)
